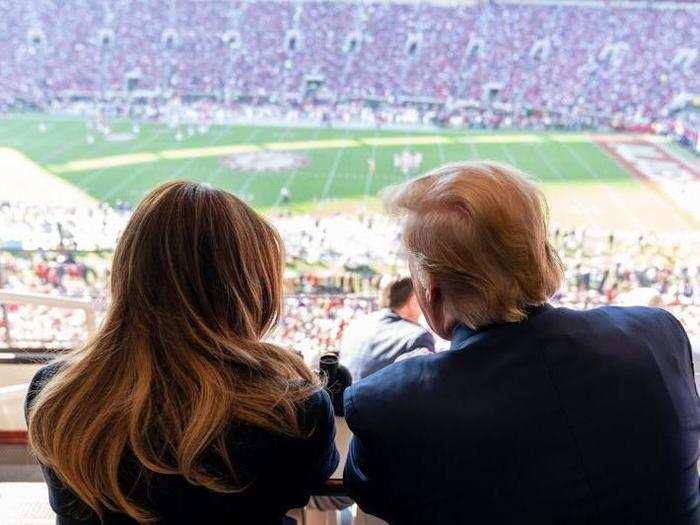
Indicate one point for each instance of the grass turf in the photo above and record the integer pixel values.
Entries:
(588, 185)
(334, 172)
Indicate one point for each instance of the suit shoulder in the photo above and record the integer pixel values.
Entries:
(612, 315)
(658, 327)
(643, 317)
(390, 386)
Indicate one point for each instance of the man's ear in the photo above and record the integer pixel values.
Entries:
(441, 320)
(434, 297)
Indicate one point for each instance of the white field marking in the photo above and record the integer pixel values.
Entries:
(408, 140)
(57, 150)
(214, 151)
(73, 144)
(133, 174)
(130, 178)
(501, 139)
(155, 136)
(67, 146)
(689, 163)
(508, 155)
(658, 139)
(249, 179)
(131, 157)
(370, 176)
(331, 175)
(113, 161)
(90, 178)
(672, 178)
(215, 174)
(547, 162)
(612, 194)
(292, 176)
(473, 152)
(583, 210)
(570, 137)
(22, 178)
(441, 153)
(312, 144)
(163, 130)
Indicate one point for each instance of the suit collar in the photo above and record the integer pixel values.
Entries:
(461, 334)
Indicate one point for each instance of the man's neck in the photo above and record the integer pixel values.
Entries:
(403, 314)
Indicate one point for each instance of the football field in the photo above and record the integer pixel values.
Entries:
(326, 169)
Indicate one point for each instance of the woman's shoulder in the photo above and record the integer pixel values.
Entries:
(315, 418)
(45, 373)
(316, 408)
(40, 378)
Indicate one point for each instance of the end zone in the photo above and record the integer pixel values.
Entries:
(24, 180)
(674, 179)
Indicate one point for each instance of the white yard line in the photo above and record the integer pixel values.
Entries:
(473, 152)
(441, 153)
(611, 193)
(87, 181)
(547, 162)
(288, 181)
(692, 165)
(125, 182)
(369, 178)
(333, 171)
(249, 179)
(215, 174)
(508, 155)
(99, 148)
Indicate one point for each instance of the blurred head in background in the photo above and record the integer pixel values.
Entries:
(399, 296)
(476, 240)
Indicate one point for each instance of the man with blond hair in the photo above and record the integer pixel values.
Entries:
(536, 414)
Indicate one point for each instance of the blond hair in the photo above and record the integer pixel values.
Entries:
(196, 283)
(478, 230)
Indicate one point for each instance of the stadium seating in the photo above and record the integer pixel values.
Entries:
(627, 61)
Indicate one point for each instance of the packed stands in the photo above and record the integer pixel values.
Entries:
(580, 58)
(336, 265)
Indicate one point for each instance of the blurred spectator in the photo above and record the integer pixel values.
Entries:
(331, 282)
(564, 61)
(372, 343)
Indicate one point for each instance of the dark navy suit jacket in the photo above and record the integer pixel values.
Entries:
(567, 417)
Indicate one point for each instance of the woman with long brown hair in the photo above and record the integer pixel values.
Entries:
(177, 411)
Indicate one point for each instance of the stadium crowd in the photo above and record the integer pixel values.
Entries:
(627, 63)
(336, 266)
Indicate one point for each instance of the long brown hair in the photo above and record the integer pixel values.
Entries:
(196, 284)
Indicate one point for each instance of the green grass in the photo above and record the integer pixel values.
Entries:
(332, 173)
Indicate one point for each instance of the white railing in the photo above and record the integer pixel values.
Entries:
(15, 376)
(22, 298)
